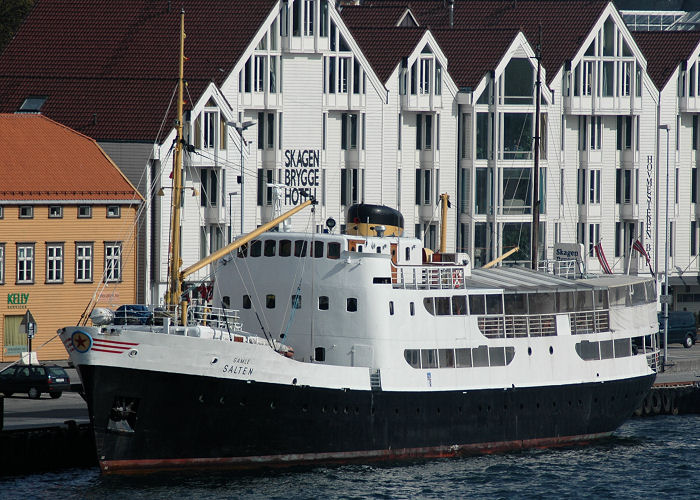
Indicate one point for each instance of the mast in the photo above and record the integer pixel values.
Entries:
(445, 201)
(172, 297)
(536, 167)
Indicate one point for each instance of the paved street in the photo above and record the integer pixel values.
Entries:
(22, 412)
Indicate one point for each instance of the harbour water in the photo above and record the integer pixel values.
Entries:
(647, 457)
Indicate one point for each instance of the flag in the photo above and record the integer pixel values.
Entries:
(637, 245)
(601, 258)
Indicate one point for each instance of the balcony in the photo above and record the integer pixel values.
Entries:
(344, 102)
(421, 102)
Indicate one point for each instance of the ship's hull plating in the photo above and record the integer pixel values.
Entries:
(177, 420)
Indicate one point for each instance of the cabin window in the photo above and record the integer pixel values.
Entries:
(494, 304)
(323, 303)
(584, 300)
(243, 251)
(333, 250)
(463, 358)
(318, 249)
(246, 302)
(565, 302)
(320, 354)
(270, 301)
(226, 302)
(256, 248)
(515, 303)
(542, 303)
(442, 306)
(285, 248)
(428, 304)
(446, 358)
(391, 307)
(480, 356)
(270, 248)
(296, 301)
(351, 304)
(408, 254)
(429, 358)
(412, 357)
(459, 305)
(477, 304)
(601, 297)
(497, 356)
(300, 248)
(412, 308)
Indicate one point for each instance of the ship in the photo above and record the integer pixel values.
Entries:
(356, 346)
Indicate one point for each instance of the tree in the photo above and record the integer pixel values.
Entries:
(12, 14)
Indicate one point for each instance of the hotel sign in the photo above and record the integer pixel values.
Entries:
(650, 206)
(302, 175)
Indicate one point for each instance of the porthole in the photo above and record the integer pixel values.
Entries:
(529, 351)
(551, 350)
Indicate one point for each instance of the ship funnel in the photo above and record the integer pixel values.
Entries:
(365, 220)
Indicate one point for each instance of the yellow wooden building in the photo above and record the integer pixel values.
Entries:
(67, 232)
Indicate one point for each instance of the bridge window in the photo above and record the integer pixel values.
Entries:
(323, 303)
(333, 250)
(285, 248)
(300, 248)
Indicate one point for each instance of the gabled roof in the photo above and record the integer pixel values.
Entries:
(561, 38)
(385, 47)
(44, 160)
(665, 50)
(109, 69)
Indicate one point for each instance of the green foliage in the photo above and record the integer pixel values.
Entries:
(12, 14)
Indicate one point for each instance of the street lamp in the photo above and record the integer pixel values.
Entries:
(240, 127)
(230, 216)
(666, 295)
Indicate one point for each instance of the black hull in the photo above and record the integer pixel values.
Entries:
(188, 421)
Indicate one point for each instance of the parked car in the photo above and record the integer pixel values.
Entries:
(34, 380)
(133, 314)
(681, 328)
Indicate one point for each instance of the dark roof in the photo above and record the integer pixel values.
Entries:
(664, 51)
(109, 69)
(385, 47)
(565, 23)
(375, 15)
(44, 160)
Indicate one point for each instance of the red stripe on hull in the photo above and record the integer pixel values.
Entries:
(254, 462)
(108, 350)
(115, 342)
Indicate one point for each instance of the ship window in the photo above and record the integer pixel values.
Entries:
(584, 300)
(300, 248)
(412, 357)
(606, 349)
(225, 302)
(623, 348)
(477, 305)
(651, 292)
(391, 307)
(429, 358)
(442, 306)
(497, 356)
(481, 356)
(270, 247)
(320, 354)
(459, 305)
(510, 354)
(638, 295)
(408, 254)
(601, 298)
(565, 302)
(270, 301)
(446, 358)
(323, 303)
(246, 302)
(412, 308)
(617, 295)
(318, 249)
(256, 248)
(333, 251)
(494, 304)
(243, 250)
(351, 304)
(542, 303)
(463, 358)
(296, 301)
(587, 350)
(285, 248)
(428, 303)
(515, 303)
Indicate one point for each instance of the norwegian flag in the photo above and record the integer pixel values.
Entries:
(637, 245)
(601, 258)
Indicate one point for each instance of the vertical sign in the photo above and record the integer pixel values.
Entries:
(648, 238)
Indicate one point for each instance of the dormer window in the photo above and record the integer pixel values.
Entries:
(32, 104)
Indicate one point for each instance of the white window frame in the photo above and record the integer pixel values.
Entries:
(55, 212)
(343, 83)
(113, 262)
(84, 212)
(25, 263)
(309, 17)
(259, 63)
(84, 252)
(594, 186)
(425, 75)
(54, 262)
(114, 211)
(2, 263)
(210, 128)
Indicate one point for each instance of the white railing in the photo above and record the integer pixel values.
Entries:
(518, 325)
(565, 268)
(215, 317)
(589, 322)
(428, 278)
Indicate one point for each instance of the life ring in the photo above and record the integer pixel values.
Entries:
(456, 279)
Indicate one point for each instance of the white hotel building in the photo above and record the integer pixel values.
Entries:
(396, 102)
